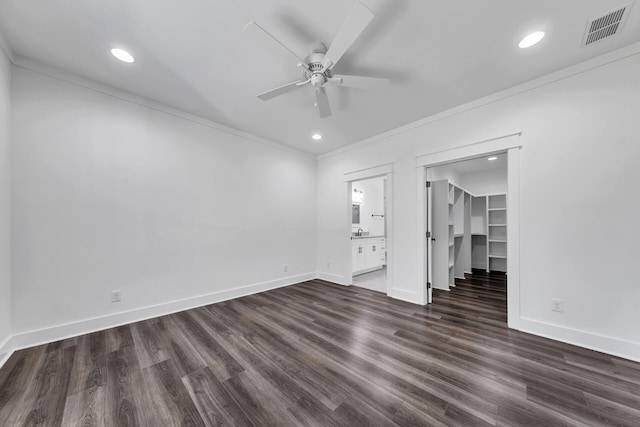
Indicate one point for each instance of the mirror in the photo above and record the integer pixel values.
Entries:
(355, 214)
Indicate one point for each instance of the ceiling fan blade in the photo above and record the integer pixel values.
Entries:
(322, 101)
(358, 19)
(360, 82)
(255, 28)
(265, 96)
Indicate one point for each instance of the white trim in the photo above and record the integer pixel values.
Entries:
(512, 145)
(388, 194)
(617, 347)
(5, 350)
(76, 80)
(613, 346)
(421, 176)
(583, 67)
(486, 147)
(333, 278)
(513, 238)
(68, 330)
(367, 173)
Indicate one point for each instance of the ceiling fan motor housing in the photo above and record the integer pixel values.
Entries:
(316, 71)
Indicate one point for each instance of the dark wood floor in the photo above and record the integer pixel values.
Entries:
(322, 354)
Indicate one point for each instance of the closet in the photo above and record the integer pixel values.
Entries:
(468, 231)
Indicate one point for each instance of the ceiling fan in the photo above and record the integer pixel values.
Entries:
(317, 67)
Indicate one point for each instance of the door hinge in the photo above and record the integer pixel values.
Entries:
(428, 184)
(428, 285)
(428, 234)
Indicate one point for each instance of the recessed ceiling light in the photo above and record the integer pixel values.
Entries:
(122, 55)
(531, 39)
(492, 158)
(316, 137)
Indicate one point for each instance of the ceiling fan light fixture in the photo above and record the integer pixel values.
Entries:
(318, 65)
(122, 55)
(531, 39)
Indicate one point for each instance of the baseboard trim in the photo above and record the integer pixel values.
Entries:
(368, 270)
(5, 351)
(333, 278)
(613, 346)
(69, 330)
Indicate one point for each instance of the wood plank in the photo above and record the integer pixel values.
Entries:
(214, 402)
(172, 402)
(52, 383)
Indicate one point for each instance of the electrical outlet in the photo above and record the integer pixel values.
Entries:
(285, 268)
(116, 296)
(557, 305)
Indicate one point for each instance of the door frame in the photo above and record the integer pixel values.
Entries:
(381, 171)
(428, 245)
(512, 145)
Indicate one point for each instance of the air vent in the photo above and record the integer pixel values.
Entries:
(605, 25)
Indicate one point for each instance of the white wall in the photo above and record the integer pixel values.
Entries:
(439, 173)
(5, 203)
(579, 210)
(112, 195)
(493, 181)
(372, 204)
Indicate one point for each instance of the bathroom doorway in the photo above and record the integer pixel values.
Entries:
(369, 233)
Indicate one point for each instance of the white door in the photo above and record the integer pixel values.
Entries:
(430, 239)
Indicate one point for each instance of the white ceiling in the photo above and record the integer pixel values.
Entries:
(480, 164)
(193, 55)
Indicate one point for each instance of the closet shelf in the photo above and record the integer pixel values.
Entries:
(472, 231)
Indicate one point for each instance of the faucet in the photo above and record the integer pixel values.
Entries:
(359, 232)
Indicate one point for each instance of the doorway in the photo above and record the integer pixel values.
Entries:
(510, 145)
(467, 226)
(369, 233)
(351, 245)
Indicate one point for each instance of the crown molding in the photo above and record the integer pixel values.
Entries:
(56, 73)
(582, 67)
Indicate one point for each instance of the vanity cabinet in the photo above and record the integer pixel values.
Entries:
(367, 254)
